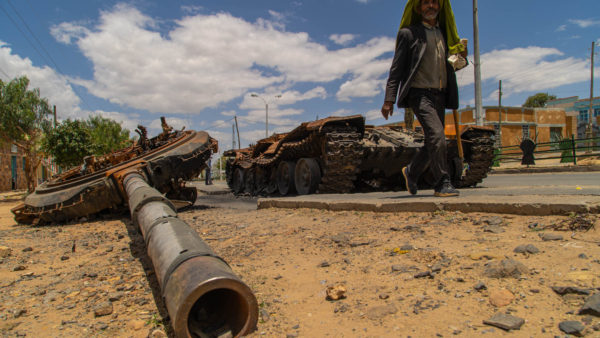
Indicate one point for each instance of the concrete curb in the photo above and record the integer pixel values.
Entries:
(517, 207)
(546, 169)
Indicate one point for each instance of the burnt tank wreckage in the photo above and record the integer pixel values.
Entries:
(343, 155)
(169, 160)
(203, 296)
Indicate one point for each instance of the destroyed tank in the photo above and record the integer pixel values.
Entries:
(168, 160)
(343, 155)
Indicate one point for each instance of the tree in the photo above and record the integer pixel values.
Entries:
(23, 116)
(107, 135)
(538, 100)
(68, 143)
(71, 141)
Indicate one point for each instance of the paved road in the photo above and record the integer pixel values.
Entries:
(532, 194)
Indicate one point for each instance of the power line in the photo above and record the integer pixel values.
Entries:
(49, 59)
(34, 36)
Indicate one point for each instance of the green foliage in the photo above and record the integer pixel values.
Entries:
(68, 143)
(497, 154)
(106, 135)
(71, 141)
(566, 147)
(23, 117)
(23, 112)
(538, 100)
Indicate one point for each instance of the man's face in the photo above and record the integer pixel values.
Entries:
(429, 9)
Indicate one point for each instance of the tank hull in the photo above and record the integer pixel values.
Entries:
(351, 157)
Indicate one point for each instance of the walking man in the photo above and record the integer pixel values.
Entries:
(422, 79)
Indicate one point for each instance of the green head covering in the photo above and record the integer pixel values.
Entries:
(411, 16)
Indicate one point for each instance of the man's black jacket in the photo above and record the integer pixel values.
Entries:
(410, 47)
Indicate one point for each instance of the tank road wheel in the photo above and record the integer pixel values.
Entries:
(238, 184)
(285, 178)
(307, 176)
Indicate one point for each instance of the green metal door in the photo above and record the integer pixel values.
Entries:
(13, 168)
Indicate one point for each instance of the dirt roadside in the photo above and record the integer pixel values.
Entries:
(412, 274)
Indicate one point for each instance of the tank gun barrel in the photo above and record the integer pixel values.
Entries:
(202, 294)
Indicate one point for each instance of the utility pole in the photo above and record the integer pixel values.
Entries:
(54, 116)
(500, 113)
(232, 136)
(590, 130)
(238, 132)
(477, 65)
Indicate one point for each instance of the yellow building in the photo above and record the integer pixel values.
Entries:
(516, 123)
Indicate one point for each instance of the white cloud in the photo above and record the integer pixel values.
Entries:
(527, 69)
(191, 9)
(66, 32)
(373, 115)
(368, 81)
(363, 1)
(198, 64)
(285, 98)
(342, 39)
(561, 28)
(52, 85)
(585, 23)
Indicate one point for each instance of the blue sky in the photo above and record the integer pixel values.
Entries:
(198, 62)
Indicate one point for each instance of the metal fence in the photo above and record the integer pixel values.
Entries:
(568, 150)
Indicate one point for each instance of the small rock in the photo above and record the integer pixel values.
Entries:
(64, 258)
(526, 248)
(505, 268)
(264, 315)
(115, 296)
(572, 327)
(495, 229)
(582, 256)
(407, 247)
(424, 274)
(28, 249)
(137, 324)
(158, 333)
(378, 312)
(591, 306)
(480, 286)
(501, 297)
(19, 313)
(19, 268)
(5, 251)
(336, 292)
(323, 264)
(103, 309)
(505, 322)
(101, 326)
(546, 237)
(384, 296)
(437, 267)
(563, 290)
(494, 220)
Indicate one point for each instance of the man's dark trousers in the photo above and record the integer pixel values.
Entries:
(428, 106)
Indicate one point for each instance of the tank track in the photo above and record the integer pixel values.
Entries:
(341, 157)
(481, 158)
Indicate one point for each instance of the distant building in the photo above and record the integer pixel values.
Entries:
(517, 123)
(12, 169)
(580, 108)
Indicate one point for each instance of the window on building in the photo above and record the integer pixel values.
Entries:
(555, 134)
(583, 116)
(525, 131)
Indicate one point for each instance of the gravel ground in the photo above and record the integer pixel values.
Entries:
(414, 274)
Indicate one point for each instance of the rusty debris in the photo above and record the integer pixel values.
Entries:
(342, 155)
(169, 160)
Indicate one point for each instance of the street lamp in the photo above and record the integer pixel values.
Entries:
(266, 111)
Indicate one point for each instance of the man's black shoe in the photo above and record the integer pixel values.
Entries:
(446, 190)
(410, 185)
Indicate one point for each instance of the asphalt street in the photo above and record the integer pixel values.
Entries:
(527, 194)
